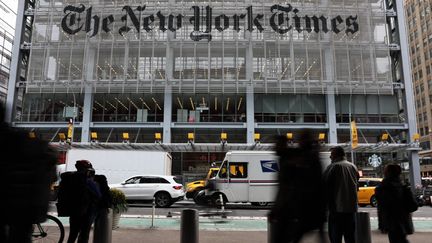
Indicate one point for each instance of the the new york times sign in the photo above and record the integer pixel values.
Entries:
(282, 19)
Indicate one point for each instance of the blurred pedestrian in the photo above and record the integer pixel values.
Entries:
(341, 180)
(78, 197)
(395, 203)
(27, 170)
(300, 206)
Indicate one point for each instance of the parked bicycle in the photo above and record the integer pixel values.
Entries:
(51, 230)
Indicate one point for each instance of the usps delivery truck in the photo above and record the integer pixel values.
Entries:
(249, 176)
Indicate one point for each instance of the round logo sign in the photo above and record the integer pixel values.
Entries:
(375, 160)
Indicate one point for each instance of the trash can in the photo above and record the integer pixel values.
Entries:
(363, 228)
(102, 232)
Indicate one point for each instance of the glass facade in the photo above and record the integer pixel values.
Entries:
(7, 31)
(236, 67)
(207, 57)
(266, 51)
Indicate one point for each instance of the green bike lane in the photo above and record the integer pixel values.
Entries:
(226, 224)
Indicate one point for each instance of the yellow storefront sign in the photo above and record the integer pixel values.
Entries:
(354, 137)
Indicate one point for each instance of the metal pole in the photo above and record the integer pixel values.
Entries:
(189, 226)
(74, 116)
(270, 231)
(103, 227)
(221, 202)
(222, 206)
(363, 228)
(153, 212)
(350, 128)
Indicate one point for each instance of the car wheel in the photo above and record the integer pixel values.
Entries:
(261, 204)
(163, 200)
(200, 198)
(190, 194)
(373, 201)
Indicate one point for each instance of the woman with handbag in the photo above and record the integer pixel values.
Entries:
(395, 205)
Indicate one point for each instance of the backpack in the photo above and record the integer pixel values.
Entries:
(409, 201)
(73, 198)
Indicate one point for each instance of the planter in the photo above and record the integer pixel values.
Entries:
(116, 220)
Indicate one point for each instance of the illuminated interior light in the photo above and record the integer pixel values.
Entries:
(239, 104)
(179, 102)
(109, 103)
(215, 103)
(156, 103)
(192, 103)
(299, 66)
(121, 103)
(227, 105)
(308, 70)
(286, 68)
(145, 104)
(103, 107)
(136, 107)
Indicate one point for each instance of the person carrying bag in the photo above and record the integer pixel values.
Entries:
(395, 204)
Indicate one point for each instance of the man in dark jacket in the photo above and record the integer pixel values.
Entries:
(77, 198)
(27, 170)
(395, 216)
(341, 181)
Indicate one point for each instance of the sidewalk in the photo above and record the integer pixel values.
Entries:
(232, 230)
(128, 235)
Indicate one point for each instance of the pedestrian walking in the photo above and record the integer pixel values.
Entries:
(78, 197)
(341, 182)
(27, 170)
(395, 205)
(300, 206)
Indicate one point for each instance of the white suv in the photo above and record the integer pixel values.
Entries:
(165, 189)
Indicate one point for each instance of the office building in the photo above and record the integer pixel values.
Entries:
(7, 31)
(198, 78)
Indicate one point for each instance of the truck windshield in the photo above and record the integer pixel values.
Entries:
(213, 173)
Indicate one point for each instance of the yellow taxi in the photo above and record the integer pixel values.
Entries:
(194, 187)
(366, 191)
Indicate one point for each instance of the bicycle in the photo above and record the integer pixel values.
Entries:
(51, 230)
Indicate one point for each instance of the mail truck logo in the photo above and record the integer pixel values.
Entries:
(269, 166)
